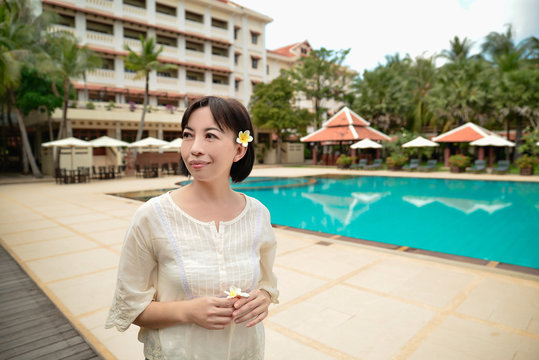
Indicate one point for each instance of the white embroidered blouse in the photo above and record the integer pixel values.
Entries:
(168, 256)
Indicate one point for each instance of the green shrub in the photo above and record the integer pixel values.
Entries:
(459, 160)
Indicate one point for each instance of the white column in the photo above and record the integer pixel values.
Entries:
(160, 131)
(80, 27)
(182, 78)
(207, 53)
(119, 71)
(180, 14)
(207, 22)
(118, 131)
(117, 8)
(118, 28)
(208, 82)
(150, 11)
(246, 38)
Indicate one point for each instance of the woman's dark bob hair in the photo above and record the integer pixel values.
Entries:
(228, 114)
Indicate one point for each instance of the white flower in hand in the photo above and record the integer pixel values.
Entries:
(235, 293)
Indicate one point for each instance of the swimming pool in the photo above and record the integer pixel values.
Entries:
(489, 220)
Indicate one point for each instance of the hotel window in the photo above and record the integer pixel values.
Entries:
(236, 32)
(194, 75)
(192, 16)
(165, 9)
(253, 84)
(194, 46)
(99, 27)
(107, 63)
(267, 69)
(218, 23)
(236, 59)
(165, 40)
(172, 73)
(254, 62)
(219, 51)
(303, 51)
(137, 3)
(66, 20)
(129, 70)
(254, 37)
(133, 34)
(237, 84)
(220, 79)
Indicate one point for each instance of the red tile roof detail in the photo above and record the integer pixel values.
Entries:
(285, 51)
(345, 125)
(465, 133)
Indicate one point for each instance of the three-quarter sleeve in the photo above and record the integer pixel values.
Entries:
(268, 249)
(135, 287)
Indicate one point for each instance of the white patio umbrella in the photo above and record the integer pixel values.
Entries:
(175, 144)
(69, 142)
(149, 142)
(537, 143)
(420, 142)
(105, 141)
(492, 140)
(366, 144)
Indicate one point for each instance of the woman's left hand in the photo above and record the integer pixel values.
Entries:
(253, 309)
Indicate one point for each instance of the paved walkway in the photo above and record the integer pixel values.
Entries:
(338, 300)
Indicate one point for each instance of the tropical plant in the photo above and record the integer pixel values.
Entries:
(321, 76)
(396, 160)
(68, 60)
(144, 63)
(422, 77)
(344, 161)
(529, 145)
(90, 105)
(459, 160)
(271, 108)
(111, 105)
(21, 32)
(526, 161)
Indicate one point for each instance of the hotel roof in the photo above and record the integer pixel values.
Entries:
(466, 133)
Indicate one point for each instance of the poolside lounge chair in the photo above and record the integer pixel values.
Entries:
(362, 163)
(502, 167)
(479, 165)
(413, 165)
(377, 163)
(431, 164)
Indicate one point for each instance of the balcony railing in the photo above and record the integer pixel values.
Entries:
(106, 4)
(100, 37)
(133, 44)
(134, 11)
(169, 19)
(102, 73)
(170, 51)
(56, 27)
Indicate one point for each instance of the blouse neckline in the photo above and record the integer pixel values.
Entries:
(209, 223)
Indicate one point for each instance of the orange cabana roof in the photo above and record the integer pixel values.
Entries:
(345, 125)
(465, 133)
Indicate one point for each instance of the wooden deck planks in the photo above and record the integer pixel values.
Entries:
(31, 326)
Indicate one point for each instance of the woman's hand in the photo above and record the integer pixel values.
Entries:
(253, 309)
(211, 313)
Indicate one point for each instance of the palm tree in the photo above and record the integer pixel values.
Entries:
(458, 51)
(144, 63)
(422, 77)
(20, 33)
(516, 65)
(68, 60)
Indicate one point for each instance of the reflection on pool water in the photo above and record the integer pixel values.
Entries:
(490, 220)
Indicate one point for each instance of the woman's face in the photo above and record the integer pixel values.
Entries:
(207, 151)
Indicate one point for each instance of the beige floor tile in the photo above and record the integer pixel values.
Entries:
(288, 242)
(109, 237)
(66, 266)
(292, 285)
(22, 216)
(125, 346)
(414, 280)
(376, 327)
(280, 347)
(327, 261)
(21, 226)
(95, 320)
(86, 293)
(504, 302)
(476, 341)
(77, 219)
(37, 235)
(53, 247)
(100, 225)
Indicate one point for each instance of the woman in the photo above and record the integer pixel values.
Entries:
(186, 250)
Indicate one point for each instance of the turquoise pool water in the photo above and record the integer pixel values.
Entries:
(490, 220)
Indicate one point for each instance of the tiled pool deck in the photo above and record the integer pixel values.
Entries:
(339, 300)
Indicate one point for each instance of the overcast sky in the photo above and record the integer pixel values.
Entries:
(376, 28)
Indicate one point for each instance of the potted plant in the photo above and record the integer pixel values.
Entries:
(260, 154)
(170, 108)
(526, 163)
(132, 106)
(90, 105)
(111, 105)
(396, 161)
(344, 161)
(458, 163)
